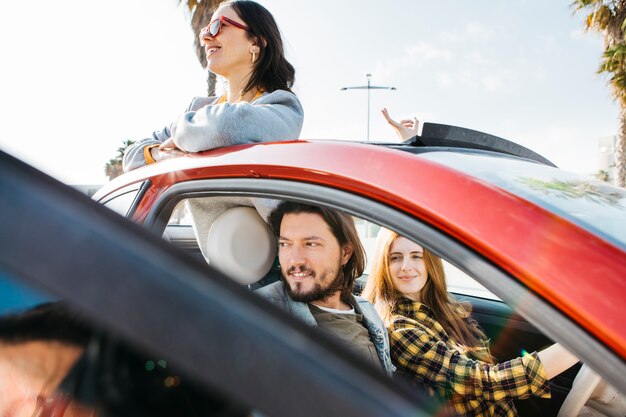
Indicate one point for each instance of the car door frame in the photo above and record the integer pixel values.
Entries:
(534, 309)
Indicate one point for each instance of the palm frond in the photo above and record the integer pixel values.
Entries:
(613, 59)
(191, 4)
(586, 4)
(599, 19)
(609, 18)
(618, 87)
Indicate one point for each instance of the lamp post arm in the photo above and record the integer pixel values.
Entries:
(368, 87)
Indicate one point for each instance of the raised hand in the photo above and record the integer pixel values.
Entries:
(406, 128)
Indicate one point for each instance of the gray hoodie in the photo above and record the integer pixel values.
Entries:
(206, 125)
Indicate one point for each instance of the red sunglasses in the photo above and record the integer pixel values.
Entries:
(214, 28)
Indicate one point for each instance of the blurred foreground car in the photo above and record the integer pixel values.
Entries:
(539, 253)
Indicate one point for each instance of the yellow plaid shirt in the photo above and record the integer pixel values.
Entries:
(421, 349)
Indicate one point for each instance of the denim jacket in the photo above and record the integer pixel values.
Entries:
(276, 294)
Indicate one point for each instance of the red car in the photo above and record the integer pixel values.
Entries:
(540, 254)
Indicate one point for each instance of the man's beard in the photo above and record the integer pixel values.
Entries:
(319, 291)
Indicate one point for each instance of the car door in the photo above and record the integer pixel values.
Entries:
(528, 326)
(139, 290)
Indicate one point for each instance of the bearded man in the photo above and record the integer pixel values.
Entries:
(320, 257)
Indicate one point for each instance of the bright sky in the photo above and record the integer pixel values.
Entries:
(78, 78)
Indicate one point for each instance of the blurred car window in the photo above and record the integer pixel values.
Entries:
(15, 296)
(34, 356)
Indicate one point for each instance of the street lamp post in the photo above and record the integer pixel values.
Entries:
(368, 87)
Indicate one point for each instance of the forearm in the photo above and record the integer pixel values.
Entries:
(556, 359)
(277, 116)
(443, 367)
(135, 155)
(201, 131)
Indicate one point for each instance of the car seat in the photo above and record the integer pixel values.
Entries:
(241, 245)
(205, 210)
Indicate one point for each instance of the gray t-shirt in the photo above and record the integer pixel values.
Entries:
(350, 329)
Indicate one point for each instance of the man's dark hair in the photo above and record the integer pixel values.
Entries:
(45, 322)
(342, 227)
(271, 69)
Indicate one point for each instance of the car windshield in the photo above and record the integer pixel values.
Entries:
(591, 204)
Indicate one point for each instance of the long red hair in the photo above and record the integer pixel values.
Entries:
(455, 317)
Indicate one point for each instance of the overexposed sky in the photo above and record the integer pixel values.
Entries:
(77, 78)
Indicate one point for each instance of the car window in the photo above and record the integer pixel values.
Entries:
(33, 333)
(43, 345)
(368, 232)
(180, 231)
(181, 216)
(462, 284)
(458, 282)
(121, 203)
(494, 316)
(16, 296)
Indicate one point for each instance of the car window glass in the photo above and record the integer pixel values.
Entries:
(35, 348)
(458, 282)
(180, 216)
(16, 296)
(181, 233)
(462, 284)
(368, 232)
(121, 203)
(42, 345)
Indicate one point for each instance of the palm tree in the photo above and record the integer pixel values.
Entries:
(113, 168)
(609, 18)
(200, 12)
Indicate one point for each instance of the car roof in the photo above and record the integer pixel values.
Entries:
(434, 137)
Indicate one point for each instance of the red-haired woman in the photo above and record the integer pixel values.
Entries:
(436, 343)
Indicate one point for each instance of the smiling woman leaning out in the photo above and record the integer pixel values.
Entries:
(243, 45)
(435, 342)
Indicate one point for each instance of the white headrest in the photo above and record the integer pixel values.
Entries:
(241, 245)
